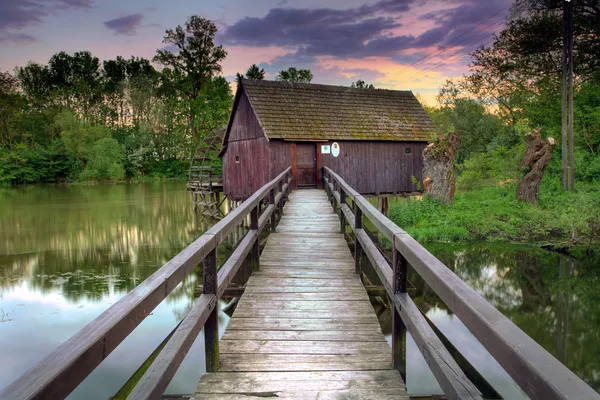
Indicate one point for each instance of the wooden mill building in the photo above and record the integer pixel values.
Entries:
(373, 138)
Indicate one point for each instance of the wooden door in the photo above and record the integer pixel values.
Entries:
(306, 165)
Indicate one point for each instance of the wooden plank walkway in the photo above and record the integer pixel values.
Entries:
(304, 327)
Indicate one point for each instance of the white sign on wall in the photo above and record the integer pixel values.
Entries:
(325, 149)
(335, 149)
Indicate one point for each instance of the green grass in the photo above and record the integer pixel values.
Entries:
(492, 213)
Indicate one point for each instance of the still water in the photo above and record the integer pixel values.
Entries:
(68, 252)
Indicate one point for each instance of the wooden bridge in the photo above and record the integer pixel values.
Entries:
(304, 327)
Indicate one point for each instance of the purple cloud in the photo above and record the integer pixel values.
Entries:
(19, 38)
(21, 13)
(356, 32)
(126, 25)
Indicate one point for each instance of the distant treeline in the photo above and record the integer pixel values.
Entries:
(76, 118)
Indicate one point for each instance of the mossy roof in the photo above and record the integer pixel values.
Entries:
(307, 111)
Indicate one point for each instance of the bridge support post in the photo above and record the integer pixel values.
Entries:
(357, 246)
(333, 201)
(274, 213)
(400, 266)
(255, 254)
(342, 215)
(211, 327)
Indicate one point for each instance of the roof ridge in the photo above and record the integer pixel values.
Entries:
(313, 86)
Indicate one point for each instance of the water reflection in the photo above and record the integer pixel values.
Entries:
(69, 252)
(553, 298)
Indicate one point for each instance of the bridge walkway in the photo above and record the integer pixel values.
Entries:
(304, 327)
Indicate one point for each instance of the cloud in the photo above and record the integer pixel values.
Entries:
(364, 31)
(19, 38)
(18, 14)
(126, 25)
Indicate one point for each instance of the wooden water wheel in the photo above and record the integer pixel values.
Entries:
(205, 181)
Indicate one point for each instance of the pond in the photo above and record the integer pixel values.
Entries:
(552, 298)
(67, 252)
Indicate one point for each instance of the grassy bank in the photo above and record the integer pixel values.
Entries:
(492, 213)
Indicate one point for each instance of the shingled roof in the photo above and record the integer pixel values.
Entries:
(306, 111)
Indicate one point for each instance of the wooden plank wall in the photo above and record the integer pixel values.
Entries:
(280, 155)
(377, 167)
(245, 124)
(246, 140)
(246, 177)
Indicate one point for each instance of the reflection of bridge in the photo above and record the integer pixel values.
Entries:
(304, 327)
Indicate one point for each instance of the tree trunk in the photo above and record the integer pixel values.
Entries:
(438, 167)
(537, 157)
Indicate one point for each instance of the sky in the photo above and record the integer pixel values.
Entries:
(395, 44)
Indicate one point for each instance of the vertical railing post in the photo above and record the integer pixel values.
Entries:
(255, 254)
(211, 327)
(400, 266)
(333, 200)
(274, 213)
(342, 215)
(358, 224)
(280, 206)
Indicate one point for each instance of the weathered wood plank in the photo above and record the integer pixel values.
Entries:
(304, 314)
(304, 305)
(257, 323)
(305, 347)
(354, 394)
(327, 335)
(305, 362)
(333, 296)
(248, 382)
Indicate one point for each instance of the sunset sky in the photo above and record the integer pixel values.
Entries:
(381, 42)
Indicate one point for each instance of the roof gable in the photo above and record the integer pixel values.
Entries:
(304, 111)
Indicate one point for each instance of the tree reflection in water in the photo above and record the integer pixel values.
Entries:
(553, 298)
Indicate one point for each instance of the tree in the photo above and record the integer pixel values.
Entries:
(293, 74)
(537, 157)
(11, 103)
(105, 161)
(360, 84)
(196, 59)
(255, 73)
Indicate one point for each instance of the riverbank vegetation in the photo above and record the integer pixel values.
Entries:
(76, 118)
(512, 87)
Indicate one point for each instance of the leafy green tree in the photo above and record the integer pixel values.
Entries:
(360, 84)
(35, 82)
(79, 136)
(105, 161)
(11, 104)
(255, 73)
(293, 74)
(196, 59)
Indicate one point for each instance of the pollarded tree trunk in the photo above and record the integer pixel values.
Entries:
(438, 167)
(537, 157)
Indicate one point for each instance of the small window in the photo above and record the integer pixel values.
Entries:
(237, 159)
(407, 150)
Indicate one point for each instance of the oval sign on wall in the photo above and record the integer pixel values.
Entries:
(335, 149)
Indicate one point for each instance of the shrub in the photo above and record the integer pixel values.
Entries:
(105, 161)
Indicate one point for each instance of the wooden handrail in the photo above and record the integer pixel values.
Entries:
(536, 371)
(60, 372)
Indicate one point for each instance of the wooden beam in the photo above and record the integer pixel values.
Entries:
(536, 371)
(451, 378)
(156, 379)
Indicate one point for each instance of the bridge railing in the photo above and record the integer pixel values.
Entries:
(59, 373)
(537, 372)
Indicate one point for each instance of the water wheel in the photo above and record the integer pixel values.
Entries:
(205, 181)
